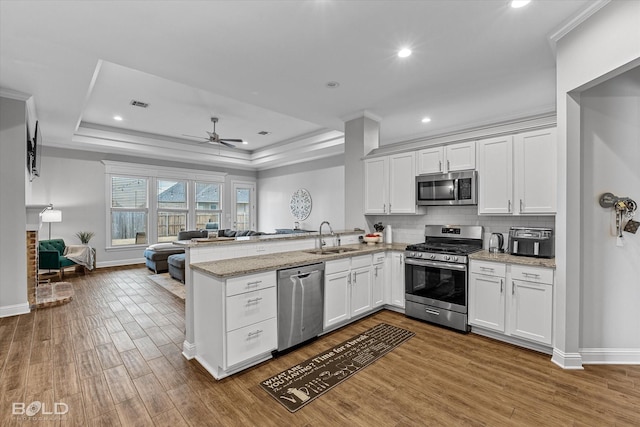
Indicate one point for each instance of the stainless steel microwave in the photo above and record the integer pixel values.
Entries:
(456, 188)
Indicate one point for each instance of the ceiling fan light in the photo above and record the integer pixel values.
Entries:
(403, 53)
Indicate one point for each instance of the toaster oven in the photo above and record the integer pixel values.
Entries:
(532, 241)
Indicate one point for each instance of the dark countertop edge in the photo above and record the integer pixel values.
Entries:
(263, 238)
(514, 259)
(205, 267)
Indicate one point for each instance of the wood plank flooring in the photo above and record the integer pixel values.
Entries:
(113, 356)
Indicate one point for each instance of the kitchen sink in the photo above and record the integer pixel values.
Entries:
(331, 251)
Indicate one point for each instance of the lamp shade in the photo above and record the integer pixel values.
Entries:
(52, 215)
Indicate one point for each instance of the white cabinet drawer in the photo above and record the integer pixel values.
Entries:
(360, 261)
(250, 307)
(246, 343)
(254, 282)
(337, 266)
(532, 274)
(488, 268)
(379, 258)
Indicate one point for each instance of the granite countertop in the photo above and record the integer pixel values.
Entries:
(257, 264)
(513, 259)
(261, 238)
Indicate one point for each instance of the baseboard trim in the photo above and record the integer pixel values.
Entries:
(188, 350)
(567, 360)
(14, 310)
(610, 356)
(120, 263)
(511, 340)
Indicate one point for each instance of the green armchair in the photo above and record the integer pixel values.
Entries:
(50, 256)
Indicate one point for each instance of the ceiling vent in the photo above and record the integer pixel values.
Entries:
(264, 132)
(139, 104)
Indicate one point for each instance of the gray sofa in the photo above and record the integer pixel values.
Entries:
(157, 256)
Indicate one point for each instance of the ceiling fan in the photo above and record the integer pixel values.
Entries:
(215, 138)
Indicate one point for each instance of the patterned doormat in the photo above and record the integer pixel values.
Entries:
(308, 380)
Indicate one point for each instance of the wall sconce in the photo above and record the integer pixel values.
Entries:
(49, 215)
(625, 207)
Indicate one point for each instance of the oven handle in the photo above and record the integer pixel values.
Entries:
(424, 263)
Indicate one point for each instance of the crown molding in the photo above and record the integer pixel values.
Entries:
(14, 94)
(577, 20)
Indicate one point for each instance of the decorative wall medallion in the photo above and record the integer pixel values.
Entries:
(300, 204)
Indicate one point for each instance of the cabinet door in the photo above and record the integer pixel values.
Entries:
(397, 280)
(361, 284)
(495, 175)
(531, 309)
(487, 301)
(336, 298)
(378, 283)
(402, 183)
(460, 156)
(535, 172)
(376, 185)
(430, 160)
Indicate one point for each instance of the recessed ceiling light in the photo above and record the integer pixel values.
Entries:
(332, 85)
(426, 119)
(117, 118)
(516, 4)
(403, 53)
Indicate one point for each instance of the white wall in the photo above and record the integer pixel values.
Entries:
(13, 217)
(610, 163)
(605, 44)
(324, 179)
(74, 182)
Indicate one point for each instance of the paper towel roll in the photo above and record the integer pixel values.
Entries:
(387, 234)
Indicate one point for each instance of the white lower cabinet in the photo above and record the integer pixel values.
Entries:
(235, 321)
(379, 279)
(347, 289)
(514, 300)
(396, 293)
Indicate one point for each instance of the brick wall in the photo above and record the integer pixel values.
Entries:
(32, 265)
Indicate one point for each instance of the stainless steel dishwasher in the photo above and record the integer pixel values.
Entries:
(300, 304)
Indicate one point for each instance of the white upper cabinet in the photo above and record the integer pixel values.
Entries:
(517, 174)
(495, 175)
(448, 158)
(376, 182)
(535, 162)
(390, 184)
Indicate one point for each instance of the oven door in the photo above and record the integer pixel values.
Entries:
(435, 283)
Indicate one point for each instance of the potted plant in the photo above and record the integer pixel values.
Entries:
(85, 236)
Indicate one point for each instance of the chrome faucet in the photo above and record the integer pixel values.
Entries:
(322, 242)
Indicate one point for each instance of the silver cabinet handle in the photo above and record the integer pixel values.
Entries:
(513, 287)
(384, 207)
(256, 283)
(440, 165)
(501, 285)
(448, 165)
(254, 300)
(434, 312)
(509, 207)
(487, 268)
(524, 273)
(521, 208)
(254, 333)
(349, 279)
(355, 278)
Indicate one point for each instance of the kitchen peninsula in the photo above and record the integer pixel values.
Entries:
(231, 304)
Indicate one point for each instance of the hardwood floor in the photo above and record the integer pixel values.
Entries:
(113, 356)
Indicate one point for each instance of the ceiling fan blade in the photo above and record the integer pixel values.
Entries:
(226, 144)
(193, 136)
(231, 140)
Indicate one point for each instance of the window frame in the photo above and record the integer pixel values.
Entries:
(152, 174)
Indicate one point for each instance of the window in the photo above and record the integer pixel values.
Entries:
(129, 209)
(172, 209)
(208, 206)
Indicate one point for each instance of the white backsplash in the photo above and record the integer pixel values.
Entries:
(410, 228)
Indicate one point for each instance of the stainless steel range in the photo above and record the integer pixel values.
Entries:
(436, 274)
